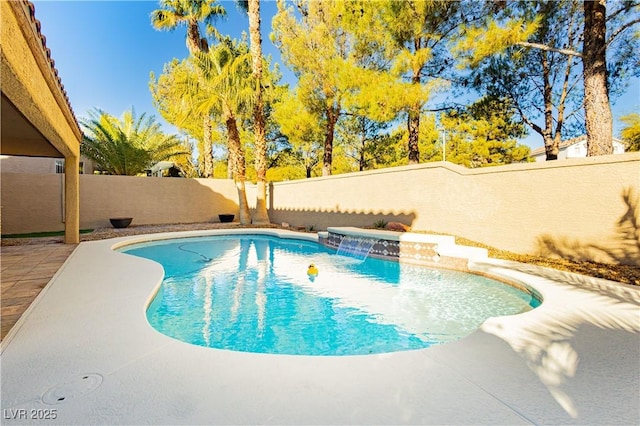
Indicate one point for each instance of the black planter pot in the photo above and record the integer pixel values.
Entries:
(120, 222)
(225, 218)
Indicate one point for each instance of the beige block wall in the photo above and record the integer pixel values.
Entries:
(571, 208)
(570, 204)
(33, 202)
(154, 200)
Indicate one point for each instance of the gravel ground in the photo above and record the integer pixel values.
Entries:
(104, 233)
(627, 274)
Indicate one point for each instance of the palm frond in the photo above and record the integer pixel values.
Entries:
(226, 77)
(208, 11)
(164, 20)
(128, 146)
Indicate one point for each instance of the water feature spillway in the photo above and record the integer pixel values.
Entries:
(358, 247)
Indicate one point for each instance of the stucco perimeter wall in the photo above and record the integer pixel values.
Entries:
(581, 208)
(33, 202)
(525, 208)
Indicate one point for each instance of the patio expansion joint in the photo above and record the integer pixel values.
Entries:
(485, 391)
(141, 357)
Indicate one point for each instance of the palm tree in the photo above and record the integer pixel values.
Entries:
(128, 146)
(173, 106)
(261, 216)
(227, 90)
(174, 13)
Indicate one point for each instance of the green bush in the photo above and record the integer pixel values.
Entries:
(380, 224)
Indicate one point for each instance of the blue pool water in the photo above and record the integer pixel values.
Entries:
(252, 293)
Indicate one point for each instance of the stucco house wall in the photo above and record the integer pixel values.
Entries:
(16, 164)
(575, 148)
(37, 119)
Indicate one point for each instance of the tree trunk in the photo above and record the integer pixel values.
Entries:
(207, 155)
(196, 44)
(363, 143)
(551, 146)
(413, 125)
(413, 120)
(193, 37)
(555, 147)
(261, 216)
(332, 118)
(597, 109)
(237, 155)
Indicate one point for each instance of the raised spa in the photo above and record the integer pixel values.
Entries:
(253, 293)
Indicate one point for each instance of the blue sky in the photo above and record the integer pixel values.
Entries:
(105, 50)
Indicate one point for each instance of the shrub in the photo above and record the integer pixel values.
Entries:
(380, 224)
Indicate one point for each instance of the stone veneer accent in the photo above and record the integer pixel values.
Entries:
(423, 249)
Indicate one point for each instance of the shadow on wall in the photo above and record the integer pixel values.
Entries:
(321, 219)
(623, 248)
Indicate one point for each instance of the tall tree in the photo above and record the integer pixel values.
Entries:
(172, 106)
(506, 26)
(174, 13)
(542, 85)
(303, 130)
(420, 30)
(168, 95)
(341, 67)
(316, 48)
(127, 146)
(597, 110)
(484, 134)
(261, 216)
(226, 69)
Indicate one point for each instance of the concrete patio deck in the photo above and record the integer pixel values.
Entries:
(28, 264)
(84, 354)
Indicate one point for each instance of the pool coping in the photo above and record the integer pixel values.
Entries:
(89, 322)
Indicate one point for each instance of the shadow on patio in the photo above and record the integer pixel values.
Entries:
(581, 312)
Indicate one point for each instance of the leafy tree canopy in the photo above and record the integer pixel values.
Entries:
(631, 132)
(484, 134)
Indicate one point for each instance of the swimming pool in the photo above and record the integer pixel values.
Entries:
(251, 293)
